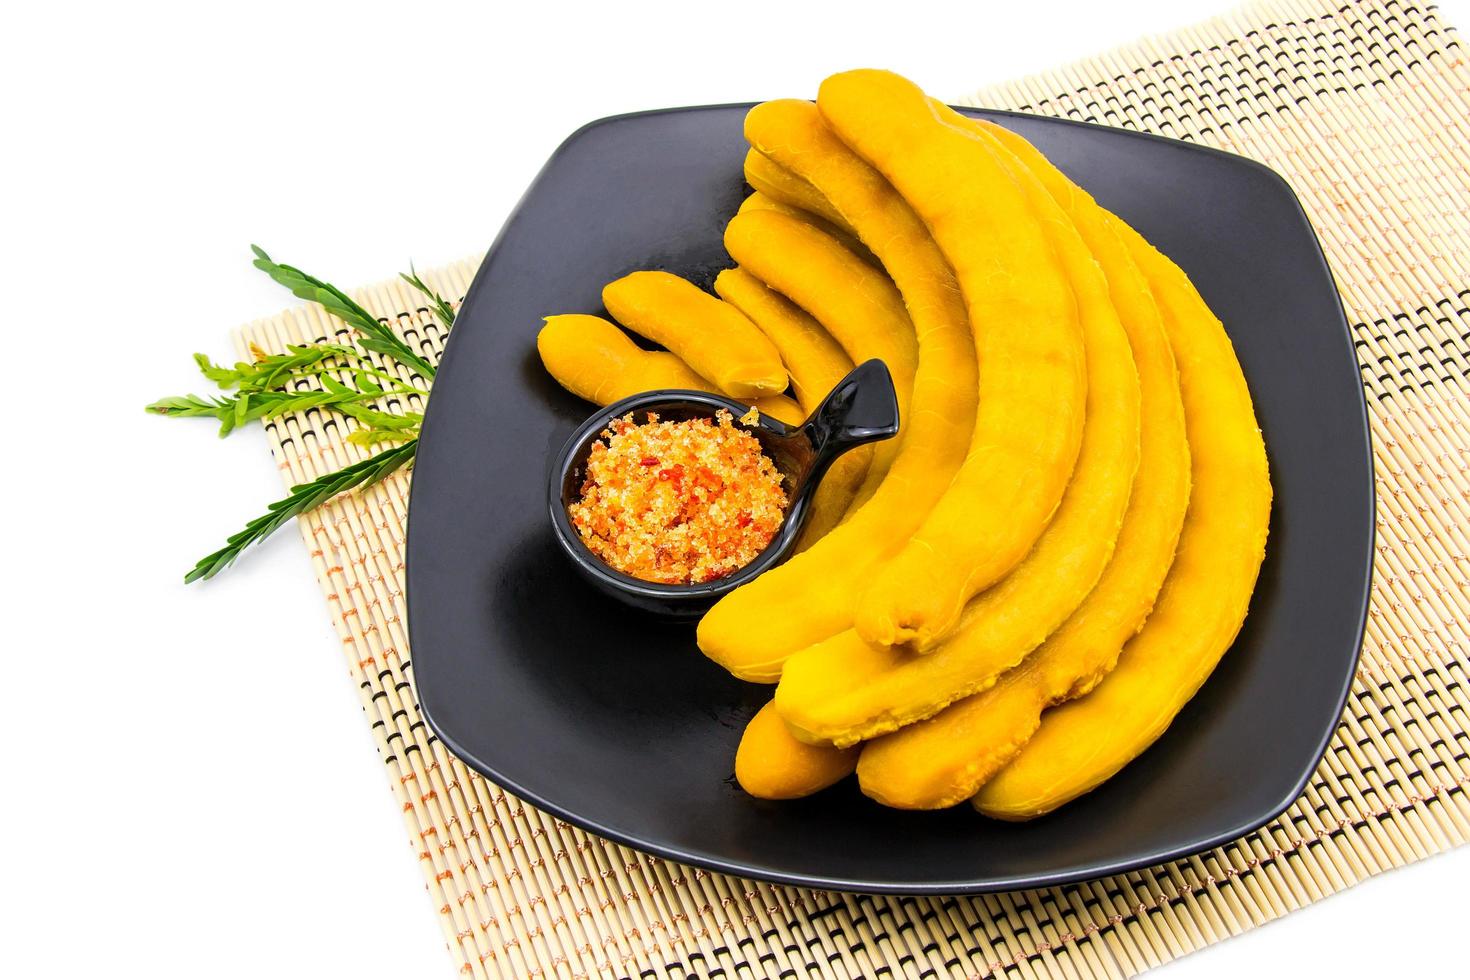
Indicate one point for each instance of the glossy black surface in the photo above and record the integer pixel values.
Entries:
(613, 720)
(861, 408)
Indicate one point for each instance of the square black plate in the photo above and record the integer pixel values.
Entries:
(616, 722)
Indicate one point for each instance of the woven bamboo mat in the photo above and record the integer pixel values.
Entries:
(1365, 108)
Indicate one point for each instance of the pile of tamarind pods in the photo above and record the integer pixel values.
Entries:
(1013, 598)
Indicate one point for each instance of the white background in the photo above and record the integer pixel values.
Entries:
(190, 788)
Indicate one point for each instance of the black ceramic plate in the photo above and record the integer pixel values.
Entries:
(615, 722)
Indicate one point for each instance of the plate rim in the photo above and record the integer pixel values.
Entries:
(972, 886)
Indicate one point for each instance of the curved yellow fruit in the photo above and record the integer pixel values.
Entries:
(846, 690)
(709, 335)
(1206, 595)
(944, 759)
(815, 361)
(856, 303)
(792, 134)
(773, 765)
(764, 202)
(593, 359)
(816, 364)
(1027, 339)
(776, 182)
(758, 201)
(754, 629)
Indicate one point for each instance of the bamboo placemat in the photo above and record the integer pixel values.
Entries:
(1365, 108)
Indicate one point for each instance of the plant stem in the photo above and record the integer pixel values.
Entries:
(302, 498)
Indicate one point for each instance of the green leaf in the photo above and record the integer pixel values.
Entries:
(374, 437)
(187, 406)
(222, 376)
(338, 303)
(242, 408)
(441, 305)
(382, 420)
(365, 382)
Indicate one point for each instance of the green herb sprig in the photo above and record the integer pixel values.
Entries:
(302, 498)
(441, 307)
(330, 376)
(250, 403)
(374, 336)
(271, 370)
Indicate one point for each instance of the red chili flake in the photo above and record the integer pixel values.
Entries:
(675, 473)
(707, 478)
(648, 461)
(743, 520)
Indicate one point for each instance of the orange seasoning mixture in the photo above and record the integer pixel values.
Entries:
(678, 502)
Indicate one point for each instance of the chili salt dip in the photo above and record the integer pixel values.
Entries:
(678, 502)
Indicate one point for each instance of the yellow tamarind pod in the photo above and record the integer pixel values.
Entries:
(1028, 341)
(816, 363)
(709, 335)
(756, 201)
(764, 202)
(846, 690)
(777, 183)
(856, 303)
(792, 134)
(944, 759)
(754, 629)
(773, 765)
(593, 359)
(814, 360)
(1206, 594)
